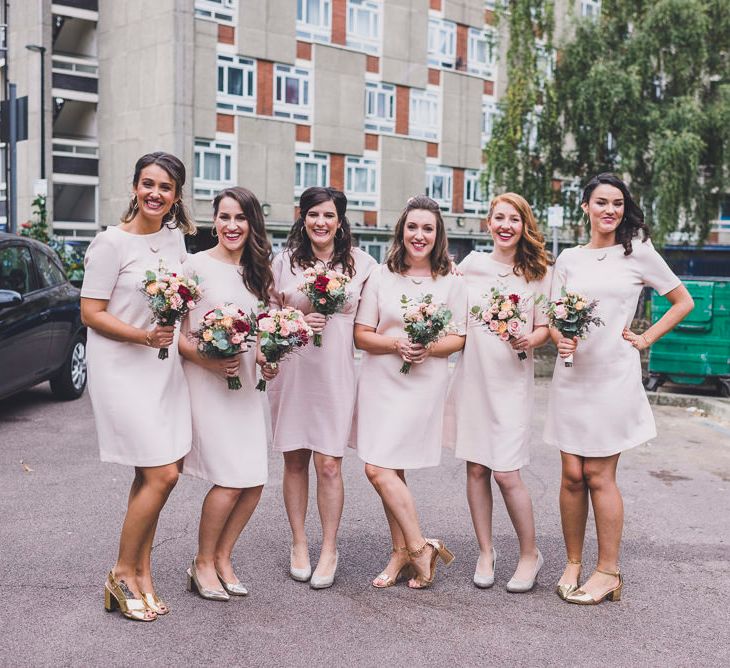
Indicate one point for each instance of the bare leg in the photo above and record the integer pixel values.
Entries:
(519, 506)
(217, 507)
(608, 508)
(573, 514)
(330, 500)
(296, 496)
(237, 520)
(479, 496)
(399, 556)
(150, 490)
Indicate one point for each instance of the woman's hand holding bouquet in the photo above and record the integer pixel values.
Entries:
(572, 315)
(424, 323)
(281, 332)
(326, 290)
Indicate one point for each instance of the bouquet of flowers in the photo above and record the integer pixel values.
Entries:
(325, 289)
(504, 316)
(281, 332)
(225, 331)
(571, 315)
(169, 296)
(425, 322)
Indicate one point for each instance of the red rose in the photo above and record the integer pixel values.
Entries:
(320, 284)
(184, 293)
(241, 326)
(514, 299)
(262, 315)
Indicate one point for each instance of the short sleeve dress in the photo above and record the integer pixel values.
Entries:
(400, 417)
(229, 428)
(598, 407)
(313, 397)
(490, 400)
(141, 403)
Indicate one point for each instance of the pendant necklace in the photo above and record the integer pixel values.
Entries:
(603, 257)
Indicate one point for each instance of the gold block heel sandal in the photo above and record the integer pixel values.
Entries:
(564, 590)
(584, 598)
(117, 596)
(439, 550)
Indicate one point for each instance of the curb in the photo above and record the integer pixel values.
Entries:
(717, 408)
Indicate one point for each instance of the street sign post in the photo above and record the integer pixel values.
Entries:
(555, 221)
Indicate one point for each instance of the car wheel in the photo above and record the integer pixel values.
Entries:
(70, 381)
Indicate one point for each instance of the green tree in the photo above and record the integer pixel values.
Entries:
(644, 91)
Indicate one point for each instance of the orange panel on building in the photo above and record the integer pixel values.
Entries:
(462, 44)
(339, 22)
(371, 142)
(265, 88)
(457, 196)
(490, 17)
(304, 133)
(337, 171)
(226, 34)
(224, 123)
(372, 64)
(402, 109)
(434, 76)
(489, 87)
(432, 150)
(435, 5)
(304, 50)
(370, 218)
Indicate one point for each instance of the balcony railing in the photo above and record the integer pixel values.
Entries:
(75, 156)
(75, 73)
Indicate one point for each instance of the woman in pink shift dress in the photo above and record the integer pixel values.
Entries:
(140, 402)
(598, 407)
(491, 392)
(400, 416)
(229, 427)
(313, 398)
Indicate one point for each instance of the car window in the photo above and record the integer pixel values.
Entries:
(16, 269)
(51, 273)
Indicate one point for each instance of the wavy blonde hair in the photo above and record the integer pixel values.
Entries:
(531, 258)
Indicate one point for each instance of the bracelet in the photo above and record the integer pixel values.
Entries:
(147, 339)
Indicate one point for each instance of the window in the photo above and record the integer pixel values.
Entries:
(473, 198)
(363, 25)
(74, 203)
(481, 52)
(377, 248)
(379, 107)
(236, 84)
(292, 93)
(490, 113)
(213, 167)
(221, 11)
(441, 43)
(16, 269)
(51, 273)
(439, 185)
(545, 62)
(311, 169)
(424, 117)
(590, 9)
(361, 182)
(314, 19)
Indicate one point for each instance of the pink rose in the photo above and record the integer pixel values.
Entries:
(560, 312)
(513, 327)
(502, 315)
(493, 325)
(504, 336)
(267, 324)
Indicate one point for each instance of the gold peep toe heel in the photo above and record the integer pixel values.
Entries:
(405, 571)
(584, 598)
(564, 590)
(117, 596)
(155, 603)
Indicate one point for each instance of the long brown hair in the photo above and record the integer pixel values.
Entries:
(300, 246)
(178, 216)
(440, 261)
(256, 253)
(531, 258)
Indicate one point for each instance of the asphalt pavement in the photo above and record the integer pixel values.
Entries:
(61, 511)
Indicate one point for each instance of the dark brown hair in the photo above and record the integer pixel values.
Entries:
(440, 261)
(300, 246)
(531, 258)
(256, 253)
(633, 221)
(178, 216)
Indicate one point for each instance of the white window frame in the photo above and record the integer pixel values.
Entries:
(545, 62)
(368, 243)
(474, 200)
(375, 92)
(361, 199)
(590, 9)
(372, 11)
(445, 175)
(242, 104)
(317, 32)
(309, 158)
(206, 189)
(481, 38)
(220, 11)
(424, 114)
(301, 111)
(441, 43)
(490, 114)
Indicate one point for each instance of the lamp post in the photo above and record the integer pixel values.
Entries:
(42, 50)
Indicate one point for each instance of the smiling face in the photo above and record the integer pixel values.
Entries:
(321, 224)
(231, 226)
(505, 225)
(156, 192)
(605, 209)
(419, 235)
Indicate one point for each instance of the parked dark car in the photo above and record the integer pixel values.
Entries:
(41, 335)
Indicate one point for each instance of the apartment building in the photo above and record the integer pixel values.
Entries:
(383, 99)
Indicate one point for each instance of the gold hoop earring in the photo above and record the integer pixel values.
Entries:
(175, 210)
(134, 205)
(214, 232)
(340, 232)
(585, 220)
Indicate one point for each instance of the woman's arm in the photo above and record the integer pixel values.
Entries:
(681, 305)
(95, 316)
(451, 343)
(367, 339)
(534, 339)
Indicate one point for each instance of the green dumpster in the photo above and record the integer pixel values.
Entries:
(698, 349)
